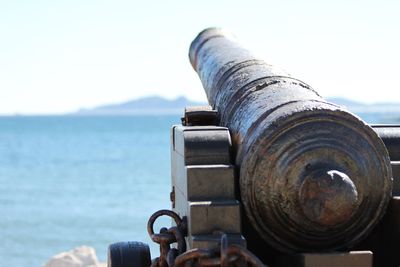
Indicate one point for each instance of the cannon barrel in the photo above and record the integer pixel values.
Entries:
(312, 176)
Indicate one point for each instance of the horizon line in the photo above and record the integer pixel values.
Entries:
(156, 111)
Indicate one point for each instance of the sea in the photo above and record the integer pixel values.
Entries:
(68, 181)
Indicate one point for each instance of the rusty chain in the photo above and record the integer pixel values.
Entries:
(166, 237)
(226, 256)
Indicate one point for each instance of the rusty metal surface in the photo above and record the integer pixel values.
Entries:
(396, 177)
(200, 115)
(328, 198)
(390, 134)
(285, 136)
(228, 253)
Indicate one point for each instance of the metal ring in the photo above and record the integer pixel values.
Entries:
(153, 218)
(163, 238)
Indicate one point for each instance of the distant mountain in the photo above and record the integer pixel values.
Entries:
(358, 107)
(141, 106)
(344, 102)
(159, 105)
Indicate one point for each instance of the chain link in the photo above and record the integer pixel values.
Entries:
(226, 256)
(166, 237)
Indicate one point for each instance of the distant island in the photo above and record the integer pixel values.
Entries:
(159, 105)
(359, 107)
(151, 105)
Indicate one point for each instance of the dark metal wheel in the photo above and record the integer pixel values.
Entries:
(129, 254)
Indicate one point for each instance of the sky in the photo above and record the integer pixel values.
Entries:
(59, 56)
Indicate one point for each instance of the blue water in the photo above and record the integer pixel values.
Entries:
(72, 181)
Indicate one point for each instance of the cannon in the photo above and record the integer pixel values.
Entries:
(272, 174)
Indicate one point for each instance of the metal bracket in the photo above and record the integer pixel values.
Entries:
(200, 115)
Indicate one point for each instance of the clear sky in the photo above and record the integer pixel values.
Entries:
(61, 55)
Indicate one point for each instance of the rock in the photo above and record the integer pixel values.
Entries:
(78, 257)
